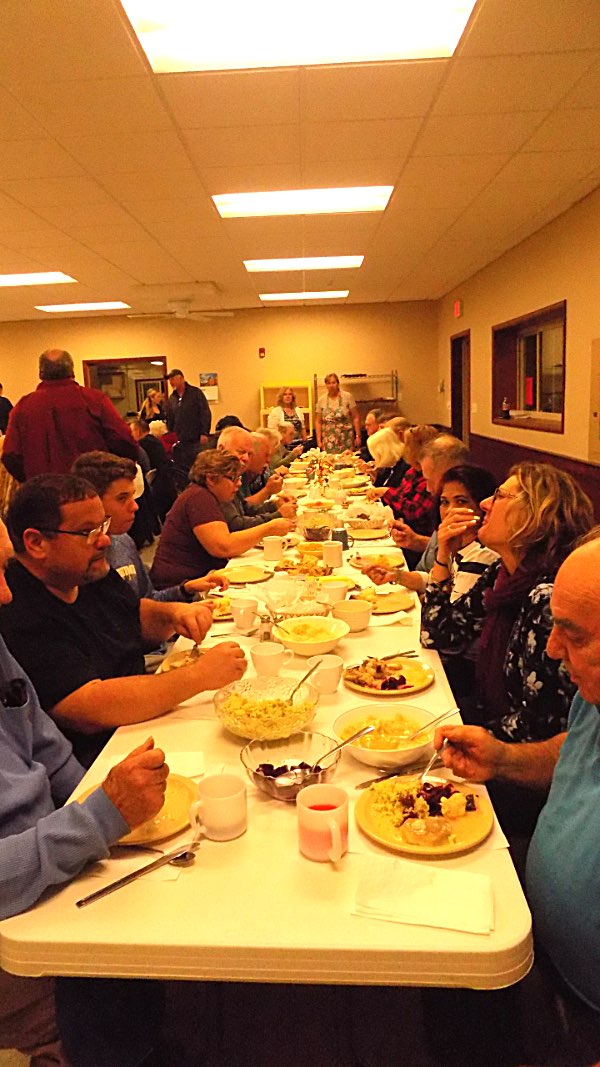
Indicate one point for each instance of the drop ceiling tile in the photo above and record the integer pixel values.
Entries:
(567, 130)
(145, 261)
(371, 91)
(67, 218)
(559, 26)
(586, 93)
(341, 173)
(250, 145)
(101, 105)
(186, 229)
(12, 262)
(100, 237)
(60, 192)
(15, 121)
(139, 186)
(175, 211)
(365, 139)
(232, 98)
(265, 238)
(463, 135)
(58, 40)
(14, 216)
(48, 237)
(509, 83)
(35, 159)
(138, 150)
(251, 179)
(565, 167)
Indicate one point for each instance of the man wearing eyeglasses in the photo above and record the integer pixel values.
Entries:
(78, 629)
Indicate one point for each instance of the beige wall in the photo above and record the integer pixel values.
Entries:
(298, 341)
(560, 262)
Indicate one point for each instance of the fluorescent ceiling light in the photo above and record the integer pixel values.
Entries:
(156, 362)
(46, 277)
(178, 35)
(100, 305)
(330, 294)
(304, 263)
(303, 201)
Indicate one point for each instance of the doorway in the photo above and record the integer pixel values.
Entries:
(460, 385)
(126, 381)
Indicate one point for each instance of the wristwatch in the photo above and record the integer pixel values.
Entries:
(397, 572)
(187, 596)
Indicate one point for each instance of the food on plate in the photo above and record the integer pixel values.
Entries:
(421, 813)
(179, 659)
(387, 560)
(389, 733)
(241, 575)
(312, 568)
(221, 606)
(395, 674)
(307, 630)
(386, 603)
(310, 548)
(318, 505)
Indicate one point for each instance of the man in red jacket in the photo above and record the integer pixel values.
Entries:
(52, 426)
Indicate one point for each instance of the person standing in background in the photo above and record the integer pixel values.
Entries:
(50, 427)
(5, 410)
(188, 412)
(337, 423)
(286, 410)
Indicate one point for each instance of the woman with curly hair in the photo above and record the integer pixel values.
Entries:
(533, 521)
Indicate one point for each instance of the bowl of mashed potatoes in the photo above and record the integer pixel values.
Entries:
(388, 745)
(311, 635)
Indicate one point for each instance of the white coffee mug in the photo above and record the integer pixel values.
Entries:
(273, 548)
(221, 807)
(322, 822)
(269, 657)
(335, 591)
(332, 553)
(244, 613)
(326, 678)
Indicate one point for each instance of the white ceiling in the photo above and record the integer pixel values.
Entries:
(106, 169)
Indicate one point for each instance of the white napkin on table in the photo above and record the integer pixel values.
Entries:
(423, 895)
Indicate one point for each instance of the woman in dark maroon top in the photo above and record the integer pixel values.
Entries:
(195, 537)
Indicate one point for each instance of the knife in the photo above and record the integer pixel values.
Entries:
(177, 853)
(397, 772)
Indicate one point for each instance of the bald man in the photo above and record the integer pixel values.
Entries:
(563, 869)
(60, 420)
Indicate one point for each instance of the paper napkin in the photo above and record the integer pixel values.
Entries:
(422, 895)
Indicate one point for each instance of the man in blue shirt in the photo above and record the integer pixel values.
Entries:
(563, 871)
(44, 843)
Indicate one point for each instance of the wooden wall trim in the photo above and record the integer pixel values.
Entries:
(498, 456)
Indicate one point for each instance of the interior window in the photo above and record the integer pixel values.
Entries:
(529, 370)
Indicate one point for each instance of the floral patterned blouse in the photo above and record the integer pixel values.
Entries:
(539, 690)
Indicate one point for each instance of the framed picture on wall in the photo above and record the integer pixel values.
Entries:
(143, 385)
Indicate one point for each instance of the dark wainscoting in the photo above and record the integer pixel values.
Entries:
(499, 456)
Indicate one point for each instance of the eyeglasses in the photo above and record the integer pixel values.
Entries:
(501, 494)
(91, 536)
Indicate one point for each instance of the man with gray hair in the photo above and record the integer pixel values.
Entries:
(243, 511)
(52, 426)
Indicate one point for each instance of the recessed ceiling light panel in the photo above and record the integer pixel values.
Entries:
(333, 294)
(303, 201)
(304, 263)
(179, 35)
(98, 305)
(46, 277)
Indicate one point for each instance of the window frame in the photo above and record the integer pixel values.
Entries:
(507, 376)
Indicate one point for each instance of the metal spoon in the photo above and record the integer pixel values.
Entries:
(307, 675)
(435, 756)
(348, 741)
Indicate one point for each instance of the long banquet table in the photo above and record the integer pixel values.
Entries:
(254, 909)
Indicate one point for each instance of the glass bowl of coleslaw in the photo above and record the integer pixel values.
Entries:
(261, 709)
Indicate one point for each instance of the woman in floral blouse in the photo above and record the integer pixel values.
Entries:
(532, 521)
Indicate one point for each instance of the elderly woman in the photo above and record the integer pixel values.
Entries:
(387, 452)
(533, 521)
(286, 411)
(195, 538)
(337, 420)
(412, 503)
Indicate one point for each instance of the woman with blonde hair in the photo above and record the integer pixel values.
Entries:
(286, 411)
(411, 501)
(533, 521)
(387, 452)
(195, 537)
(153, 406)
